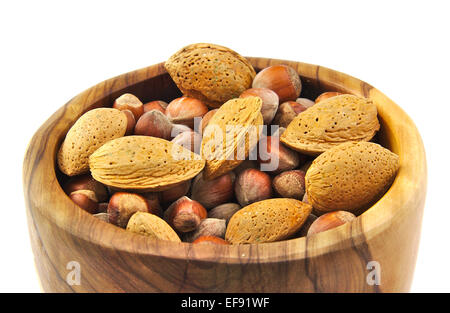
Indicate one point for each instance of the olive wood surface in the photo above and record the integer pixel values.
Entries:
(113, 260)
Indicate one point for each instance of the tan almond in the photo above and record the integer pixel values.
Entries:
(331, 122)
(350, 177)
(89, 133)
(143, 163)
(230, 135)
(267, 221)
(211, 73)
(151, 226)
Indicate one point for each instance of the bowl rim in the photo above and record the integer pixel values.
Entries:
(404, 140)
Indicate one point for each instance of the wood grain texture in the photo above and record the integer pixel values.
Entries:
(113, 260)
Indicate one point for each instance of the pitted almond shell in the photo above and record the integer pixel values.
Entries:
(152, 226)
(211, 73)
(231, 133)
(332, 122)
(350, 177)
(267, 221)
(89, 133)
(143, 163)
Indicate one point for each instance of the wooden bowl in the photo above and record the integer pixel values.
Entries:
(113, 260)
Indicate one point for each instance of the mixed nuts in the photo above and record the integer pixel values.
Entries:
(240, 158)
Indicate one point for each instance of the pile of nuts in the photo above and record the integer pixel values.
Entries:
(239, 158)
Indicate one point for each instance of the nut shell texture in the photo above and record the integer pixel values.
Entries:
(151, 226)
(231, 133)
(143, 163)
(331, 122)
(350, 176)
(89, 132)
(212, 73)
(267, 221)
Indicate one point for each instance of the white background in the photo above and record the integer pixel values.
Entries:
(53, 50)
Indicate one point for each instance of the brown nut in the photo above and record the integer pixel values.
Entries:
(224, 211)
(306, 103)
(269, 99)
(305, 227)
(211, 240)
(284, 115)
(156, 105)
(155, 124)
(327, 95)
(131, 122)
(86, 182)
(211, 193)
(178, 129)
(251, 186)
(184, 110)
(123, 205)
(330, 220)
(130, 102)
(184, 215)
(245, 165)
(176, 192)
(85, 199)
(205, 120)
(102, 207)
(290, 184)
(297, 107)
(190, 140)
(282, 79)
(275, 157)
(153, 199)
(207, 227)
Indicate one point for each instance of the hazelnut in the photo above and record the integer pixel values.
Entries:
(189, 140)
(282, 79)
(86, 182)
(176, 192)
(306, 225)
(153, 200)
(269, 102)
(245, 165)
(297, 107)
(103, 216)
(330, 220)
(252, 185)
(183, 110)
(290, 184)
(326, 95)
(123, 205)
(275, 157)
(184, 215)
(284, 115)
(178, 129)
(102, 207)
(205, 120)
(305, 102)
(207, 227)
(211, 193)
(224, 211)
(130, 102)
(156, 105)
(131, 122)
(211, 240)
(85, 199)
(155, 124)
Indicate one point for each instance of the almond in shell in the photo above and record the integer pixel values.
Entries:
(151, 226)
(331, 122)
(230, 135)
(211, 73)
(350, 177)
(143, 163)
(89, 133)
(267, 221)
